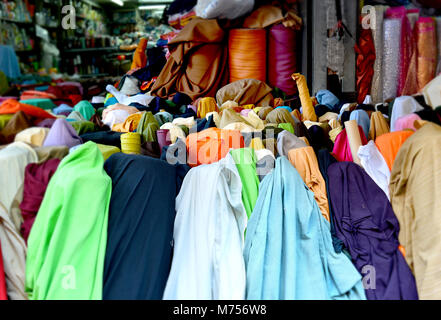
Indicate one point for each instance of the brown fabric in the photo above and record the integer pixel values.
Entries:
(96, 120)
(268, 15)
(47, 153)
(18, 122)
(416, 199)
(198, 65)
(271, 145)
(263, 113)
(279, 116)
(379, 125)
(246, 91)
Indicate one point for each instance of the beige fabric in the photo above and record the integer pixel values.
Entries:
(246, 91)
(175, 131)
(415, 189)
(33, 135)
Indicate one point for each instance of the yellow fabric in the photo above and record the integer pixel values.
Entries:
(130, 124)
(188, 122)
(107, 151)
(334, 123)
(334, 133)
(131, 143)
(305, 98)
(248, 106)
(379, 125)
(206, 105)
(416, 199)
(33, 135)
(257, 109)
(305, 161)
(254, 120)
(257, 144)
(328, 116)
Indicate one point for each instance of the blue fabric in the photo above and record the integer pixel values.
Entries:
(327, 98)
(362, 119)
(110, 102)
(62, 108)
(285, 107)
(288, 249)
(9, 62)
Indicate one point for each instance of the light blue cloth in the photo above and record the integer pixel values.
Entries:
(110, 102)
(285, 107)
(9, 62)
(327, 98)
(363, 120)
(288, 249)
(62, 108)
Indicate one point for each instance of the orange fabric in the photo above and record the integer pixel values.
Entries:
(130, 124)
(212, 145)
(33, 94)
(305, 98)
(206, 105)
(401, 248)
(390, 143)
(12, 106)
(247, 54)
(296, 113)
(139, 57)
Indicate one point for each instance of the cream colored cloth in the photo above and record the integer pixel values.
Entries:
(415, 192)
(188, 122)
(33, 135)
(119, 106)
(328, 116)
(13, 161)
(216, 117)
(305, 161)
(175, 131)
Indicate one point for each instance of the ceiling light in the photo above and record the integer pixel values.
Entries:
(152, 7)
(118, 2)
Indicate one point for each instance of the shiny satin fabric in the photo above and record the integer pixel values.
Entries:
(378, 126)
(305, 98)
(427, 51)
(365, 50)
(389, 145)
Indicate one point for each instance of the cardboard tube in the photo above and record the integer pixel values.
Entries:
(354, 139)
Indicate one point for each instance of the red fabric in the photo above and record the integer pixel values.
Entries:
(13, 106)
(212, 145)
(3, 293)
(365, 50)
(342, 150)
(36, 179)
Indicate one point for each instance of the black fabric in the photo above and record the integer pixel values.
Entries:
(321, 110)
(180, 6)
(345, 117)
(203, 124)
(430, 115)
(177, 156)
(365, 107)
(319, 139)
(140, 228)
(109, 138)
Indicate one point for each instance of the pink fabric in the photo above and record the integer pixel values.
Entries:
(406, 122)
(342, 150)
(244, 112)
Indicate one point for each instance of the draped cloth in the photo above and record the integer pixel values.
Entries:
(278, 116)
(342, 150)
(85, 108)
(36, 179)
(19, 122)
(246, 91)
(206, 105)
(62, 134)
(403, 106)
(416, 199)
(140, 57)
(140, 229)
(378, 125)
(407, 122)
(427, 51)
(198, 63)
(13, 106)
(288, 249)
(13, 161)
(208, 236)
(365, 50)
(286, 141)
(365, 222)
(377, 33)
(67, 243)
(389, 145)
(305, 161)
(147, 127)
(3, 292)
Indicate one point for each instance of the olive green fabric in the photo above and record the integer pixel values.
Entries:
(4, 119)
(147, 128)
(107, 151)
(82, 127)
(67, 243)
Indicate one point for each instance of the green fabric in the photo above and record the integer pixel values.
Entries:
(4, 85)
(163, 117)
(107, 151)
(185, 129)
(147, 128)
(82, 127)
(287, 127)
(75, 116)
(45, 104)
(246, 160)
(99, 111)
(85, 108)
(67, 243)
(4, 119)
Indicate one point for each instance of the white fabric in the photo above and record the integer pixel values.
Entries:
(13, 161)
(432, 93)
(98, 99)
(174, 131)
(403, 106)
(368, 100)
(223, 9)
(143, 99)
(115, 117)
(188, 122)
(208, 235)
(375, 166)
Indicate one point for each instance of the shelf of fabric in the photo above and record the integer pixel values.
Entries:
(83, 50)
(15, 21)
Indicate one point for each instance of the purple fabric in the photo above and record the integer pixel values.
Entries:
(193, 108)
(282, 62)
(244, 112)
(366, 223)
(62, 134)
(46, 123)
(36, 179)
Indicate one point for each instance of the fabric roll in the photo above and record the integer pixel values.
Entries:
(282, 60)
(438, 41)
(175, 132)
(342, 149)
(34, 136)
(354, 139)
(62, 134)
(305, 98)
(407, 122)
(391, 57)
(131, 143)
(427, 51)
(163, 136)
(247, 54)
(416, 200)
(140, 228)
(284, 208)
(71, 223)
(375, 166)
(245, 160)
(389, 145)
(245, 91)
(362, 119)
(431, 92)
(198, 65)
(379, 125)
(13, 161)
(286, 142)
(378, 34)
(305, 161)
(36, 179)
(359, 204)
(209, 265)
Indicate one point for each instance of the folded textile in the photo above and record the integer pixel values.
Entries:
(62, 134)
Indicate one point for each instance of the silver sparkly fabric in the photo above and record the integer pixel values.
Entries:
(391, 57)
(377, 33)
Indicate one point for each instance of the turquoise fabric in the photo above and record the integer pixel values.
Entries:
(85, 108)
(288, 249)
(45, 104)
